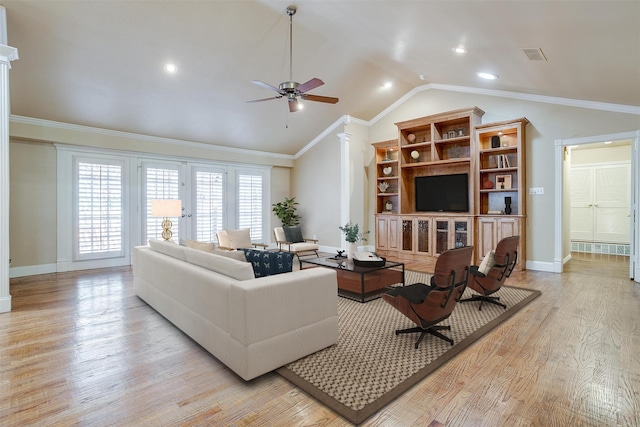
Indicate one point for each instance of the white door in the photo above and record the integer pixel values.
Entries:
(600, 203)
(206, 214)
(160, 181)
(581, 204)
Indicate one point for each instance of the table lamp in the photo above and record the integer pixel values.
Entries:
(166, 209)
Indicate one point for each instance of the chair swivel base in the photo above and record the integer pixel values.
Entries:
(433, 330)
(483, 298)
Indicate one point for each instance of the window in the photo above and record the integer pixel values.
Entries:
(250, 195)
(209, 206)
(99, 209)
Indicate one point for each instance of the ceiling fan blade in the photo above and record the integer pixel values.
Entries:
(265, 85)
(265, 99)
(293, 105)
(311, 84)
(319, 98)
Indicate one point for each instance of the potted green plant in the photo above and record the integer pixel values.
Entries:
(286, 211)
(352, 235)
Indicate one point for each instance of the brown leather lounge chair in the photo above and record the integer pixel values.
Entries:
(428, 305)
(488, 279)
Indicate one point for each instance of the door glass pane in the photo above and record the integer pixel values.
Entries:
(250, 204)
(100, 208)
(161, 184)
(209, 212)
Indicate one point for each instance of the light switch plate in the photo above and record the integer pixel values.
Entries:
(536, 190)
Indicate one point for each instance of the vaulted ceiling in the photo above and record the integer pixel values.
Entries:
(100, 63)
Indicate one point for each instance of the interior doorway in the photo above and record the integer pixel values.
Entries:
(599, 188)
(565, 248)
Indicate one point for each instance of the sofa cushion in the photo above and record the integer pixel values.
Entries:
(269, 263)
(203, 246)
(293, 234)
(168, 248)
(238, 255)
(230, 267)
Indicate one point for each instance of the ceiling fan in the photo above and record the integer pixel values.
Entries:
(294, 91)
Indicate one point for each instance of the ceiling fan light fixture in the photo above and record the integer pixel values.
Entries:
(292, 90)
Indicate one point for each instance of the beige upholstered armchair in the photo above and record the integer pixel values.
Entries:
(289, 239)
(236, 239)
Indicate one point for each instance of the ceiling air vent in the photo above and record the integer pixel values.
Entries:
(534, 53)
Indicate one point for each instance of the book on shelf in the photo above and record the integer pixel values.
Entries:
(503, 161)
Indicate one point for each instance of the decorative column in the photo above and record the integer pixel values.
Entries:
(7, 54)
(345, 180)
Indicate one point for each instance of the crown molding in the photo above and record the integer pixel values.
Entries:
(344, 120)
(147, 138)
(579, 103)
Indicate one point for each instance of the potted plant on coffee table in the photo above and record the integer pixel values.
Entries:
(353, 235)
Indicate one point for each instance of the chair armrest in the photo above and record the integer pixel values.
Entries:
(310, 240)
(473, 270)
(260, 245)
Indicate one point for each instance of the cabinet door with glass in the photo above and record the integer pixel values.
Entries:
(416, 235)
(451, 233)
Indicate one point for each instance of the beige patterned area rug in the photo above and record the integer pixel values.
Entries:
(370, 366)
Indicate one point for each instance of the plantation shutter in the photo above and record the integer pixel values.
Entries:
(99, 195)
(250, 203)
(161, 184)
(209, 209)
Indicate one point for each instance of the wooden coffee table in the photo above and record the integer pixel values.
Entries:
(361, 283)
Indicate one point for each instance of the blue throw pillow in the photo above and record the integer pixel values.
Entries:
(293, 234)
(269, 263)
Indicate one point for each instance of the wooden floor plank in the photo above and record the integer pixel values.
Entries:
(80, 348)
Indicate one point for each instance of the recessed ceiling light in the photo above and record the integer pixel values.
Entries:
(459, 49)
(422, 77)
(487, 76)
(608, 142)
(170, 68)
(387, 85)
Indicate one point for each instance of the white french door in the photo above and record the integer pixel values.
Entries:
(160, 181)
(600, 203)
(213, 198)
(207, 200)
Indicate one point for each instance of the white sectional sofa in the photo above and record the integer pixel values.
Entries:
(252, 325)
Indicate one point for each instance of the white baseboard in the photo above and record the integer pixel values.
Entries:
(32, 270)
(5, 304)
(550, 267)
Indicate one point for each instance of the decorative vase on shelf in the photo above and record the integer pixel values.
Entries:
(351, 249)
(507, 205)
(411, 138)
(388, 206)
(415, 155)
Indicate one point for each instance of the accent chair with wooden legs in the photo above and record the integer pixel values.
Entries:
(428, 305)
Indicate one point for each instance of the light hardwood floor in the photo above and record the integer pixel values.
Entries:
(81, 349)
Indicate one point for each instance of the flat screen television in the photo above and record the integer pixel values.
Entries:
(442, 193)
